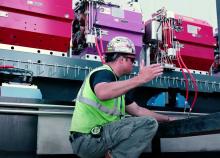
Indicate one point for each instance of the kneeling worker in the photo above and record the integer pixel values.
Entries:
(98, 123)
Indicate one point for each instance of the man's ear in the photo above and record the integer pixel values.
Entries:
(120, 59)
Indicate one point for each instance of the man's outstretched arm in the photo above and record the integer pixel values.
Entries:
(136, 110)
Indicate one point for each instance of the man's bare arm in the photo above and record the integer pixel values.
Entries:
(110, 90)
(136, 110)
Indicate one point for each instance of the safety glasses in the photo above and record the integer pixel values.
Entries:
(132, 59)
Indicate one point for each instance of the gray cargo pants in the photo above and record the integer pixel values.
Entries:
(126, 138)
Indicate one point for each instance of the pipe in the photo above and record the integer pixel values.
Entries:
(32, 112)
(33, 105)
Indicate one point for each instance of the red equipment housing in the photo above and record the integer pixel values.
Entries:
(44, 24)
(197, 42)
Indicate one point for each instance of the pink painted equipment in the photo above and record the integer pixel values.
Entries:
(44, 24)
(102, 24)
(197, 42)
(192, 38)
(119, 22)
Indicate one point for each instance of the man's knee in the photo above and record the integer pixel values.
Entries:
(150, 123)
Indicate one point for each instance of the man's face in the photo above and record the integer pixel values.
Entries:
(128, 63)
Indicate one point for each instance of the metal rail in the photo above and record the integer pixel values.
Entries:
(34, 105)
(32, 112)
(12, 105)
(66, 107)
(181, 113)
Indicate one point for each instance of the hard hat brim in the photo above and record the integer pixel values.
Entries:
(126, 53)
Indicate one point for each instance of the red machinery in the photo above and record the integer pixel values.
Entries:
(193, 38)
(182, 42)
(197, 42)
(44, 24)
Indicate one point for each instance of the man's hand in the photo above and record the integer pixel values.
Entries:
(147, 73)
(171, 118)
(136, 110)
(109, 90)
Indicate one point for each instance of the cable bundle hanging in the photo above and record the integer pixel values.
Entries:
(100, 52)
(183, 65)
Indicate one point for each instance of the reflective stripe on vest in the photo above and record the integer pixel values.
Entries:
(93, 103)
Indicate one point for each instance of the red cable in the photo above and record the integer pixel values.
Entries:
(6, 66)
(185, 77)
(166, 30)
(101, 45)
(191, 76)
(194, 83)
(98, 50)
(164, 35)
(168, 34)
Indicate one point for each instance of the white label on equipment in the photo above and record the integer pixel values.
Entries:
(105, 10)
(3, 14)
(38, 4)
(192, 29)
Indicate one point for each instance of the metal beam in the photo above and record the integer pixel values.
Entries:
(54, 67)
(191, 126)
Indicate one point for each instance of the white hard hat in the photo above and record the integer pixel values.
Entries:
(121, 44)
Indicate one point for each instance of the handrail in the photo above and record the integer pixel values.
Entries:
(66, 107)
(32, 112)
(35, 105)
(181, 113)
